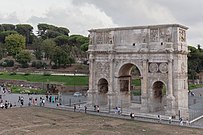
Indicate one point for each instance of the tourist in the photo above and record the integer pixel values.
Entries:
(6, 104)
(159, 118)
(85, 108)
(50, 98)
(21, 101)
(97, 108)
(53, 98)
(19, 98)
(43, 101)
(47, 97)
(79, 107)
(116, 110)
(74, 107)
(2, 105)
(181, 121)
(36, 101)
(169, 119)
(10, 105)
(119, 110)
(132, 115)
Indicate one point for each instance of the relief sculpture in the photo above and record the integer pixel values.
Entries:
(182, 35)
(165, 35)
(154, 35)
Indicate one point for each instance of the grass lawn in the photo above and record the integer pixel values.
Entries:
(194, 86)
(66, 80)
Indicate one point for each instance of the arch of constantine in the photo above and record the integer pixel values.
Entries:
(159, 52)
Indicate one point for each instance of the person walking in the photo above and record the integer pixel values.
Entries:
(74, 107)
(97, 108)
(85, 109)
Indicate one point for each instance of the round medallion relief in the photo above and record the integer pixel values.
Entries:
(153, 67)
(163, 67)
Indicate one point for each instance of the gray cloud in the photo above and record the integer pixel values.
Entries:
(81, 15)
(144, 12)
(10, 18)
(79, 19)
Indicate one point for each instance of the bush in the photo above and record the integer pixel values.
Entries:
(12, 73)
(4, 64)
(46, 74)
(10, 63)
(39, 64)
(54, 67)
(34, 64)
(27, 73)
(25, 65)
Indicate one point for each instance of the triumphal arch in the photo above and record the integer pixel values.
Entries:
(159, 52)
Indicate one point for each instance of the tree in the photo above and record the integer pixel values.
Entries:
(4, 34)
(7, 27)
(84, 47)
(23, 57)
(61, 40)
(43, 27)
(63, 31)
(48, 46)
(25, 30)
(61, 57)
(195, 61)
(50, 31)
(51, 34)
(2, 51)
(15, 43)
(37, 46)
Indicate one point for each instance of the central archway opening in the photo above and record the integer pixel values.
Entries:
(159, 95)
(130, 83)
(103, 90)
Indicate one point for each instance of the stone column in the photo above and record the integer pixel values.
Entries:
(91, 92)
(144, 95)
(170, 98)
(111, 91)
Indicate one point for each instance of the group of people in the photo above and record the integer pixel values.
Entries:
(96, 108)
(79, 108)
(5, 104)
(34, 101)
(52, 98)
(21, 100)
(181, 122)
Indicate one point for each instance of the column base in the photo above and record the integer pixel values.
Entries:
(170, 109)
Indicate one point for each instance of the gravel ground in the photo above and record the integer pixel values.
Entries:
(41, 121)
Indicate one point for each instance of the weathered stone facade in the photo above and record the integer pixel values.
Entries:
(160, 54)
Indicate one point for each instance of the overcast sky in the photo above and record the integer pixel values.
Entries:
(81, 15)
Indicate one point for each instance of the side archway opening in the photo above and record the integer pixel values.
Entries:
(102, 91)
(159, 95)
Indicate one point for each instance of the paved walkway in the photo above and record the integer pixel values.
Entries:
(13, 98)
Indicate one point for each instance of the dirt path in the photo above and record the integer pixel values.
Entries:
(41, 121)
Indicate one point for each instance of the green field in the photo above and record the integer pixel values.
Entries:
(66, 80)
